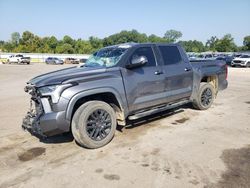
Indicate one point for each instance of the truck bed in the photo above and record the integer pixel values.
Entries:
(211, 68)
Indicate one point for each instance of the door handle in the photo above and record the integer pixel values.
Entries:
(187, 69)
(158, 72)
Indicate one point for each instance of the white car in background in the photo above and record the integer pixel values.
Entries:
(18, 59)
(243, 61)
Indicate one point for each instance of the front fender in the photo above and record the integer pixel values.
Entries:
(90, 92)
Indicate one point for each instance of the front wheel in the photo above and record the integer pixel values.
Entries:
(94, 124)
(205, 96)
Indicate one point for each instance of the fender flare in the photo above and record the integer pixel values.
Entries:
(90, 92)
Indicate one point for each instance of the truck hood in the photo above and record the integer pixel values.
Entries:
(241, 59)
(60, 76)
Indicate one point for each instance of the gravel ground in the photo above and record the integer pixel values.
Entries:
(181, 148)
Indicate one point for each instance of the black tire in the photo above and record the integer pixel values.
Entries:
(103, 127)
(248, 65)
(205, 97)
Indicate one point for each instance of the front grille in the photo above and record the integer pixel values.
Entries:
(237, 61)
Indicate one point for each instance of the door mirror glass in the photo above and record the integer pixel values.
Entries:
(137, 61)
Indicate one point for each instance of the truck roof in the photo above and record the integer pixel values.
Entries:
(131, 44)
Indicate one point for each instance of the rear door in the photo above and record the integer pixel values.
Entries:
(178, 74)
(144, 85)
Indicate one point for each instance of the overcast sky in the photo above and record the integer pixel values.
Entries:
(196, 19)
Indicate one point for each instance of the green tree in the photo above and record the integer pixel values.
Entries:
(67, 39)
(52, 43)
(193, 46)
(226, 44)
(154, 38)
(246, 42)
(26, 42)
(83, 47)
(2, 45)
(27, 37)
(211, 43)
(65, 49)
(15, 38)
(125, 37)
(8, 47)
(172, 35)
(95, 42)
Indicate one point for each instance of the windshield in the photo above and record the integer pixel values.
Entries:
(106, 57)
(244, 56)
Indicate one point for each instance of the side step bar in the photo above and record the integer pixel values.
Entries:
(157, 109)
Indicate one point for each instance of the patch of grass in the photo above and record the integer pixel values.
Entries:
(3, 59)
(36, 60)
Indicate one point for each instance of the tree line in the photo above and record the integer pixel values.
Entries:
(29, 42)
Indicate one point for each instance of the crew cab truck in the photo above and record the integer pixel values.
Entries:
(117, 83)
(19, 59)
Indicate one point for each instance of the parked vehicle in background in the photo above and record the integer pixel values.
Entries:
(228, 59)
(71, 60)
(53, 60)
(192, 56)
(19, 59)
(205, 56)
(127, 81)
(243, 61)
(237, 55)
(83, 60)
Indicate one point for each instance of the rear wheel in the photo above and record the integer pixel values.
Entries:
(205, 97)
(248, 65)
(94, 124)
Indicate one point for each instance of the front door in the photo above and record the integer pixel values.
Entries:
(144, 85)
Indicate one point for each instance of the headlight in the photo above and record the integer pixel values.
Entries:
(47, 89)
(53, 91)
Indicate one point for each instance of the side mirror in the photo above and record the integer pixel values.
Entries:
(137, 62)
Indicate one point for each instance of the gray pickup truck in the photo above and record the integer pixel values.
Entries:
(116, 84)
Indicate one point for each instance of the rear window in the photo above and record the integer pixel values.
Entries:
(170, 54)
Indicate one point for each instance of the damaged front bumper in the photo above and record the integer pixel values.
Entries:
(41, 120)
(32, 124)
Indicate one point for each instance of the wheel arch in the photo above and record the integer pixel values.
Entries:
(107, 95)
(213, 80)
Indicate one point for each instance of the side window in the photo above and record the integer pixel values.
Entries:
(170, 54)
(147, 52)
